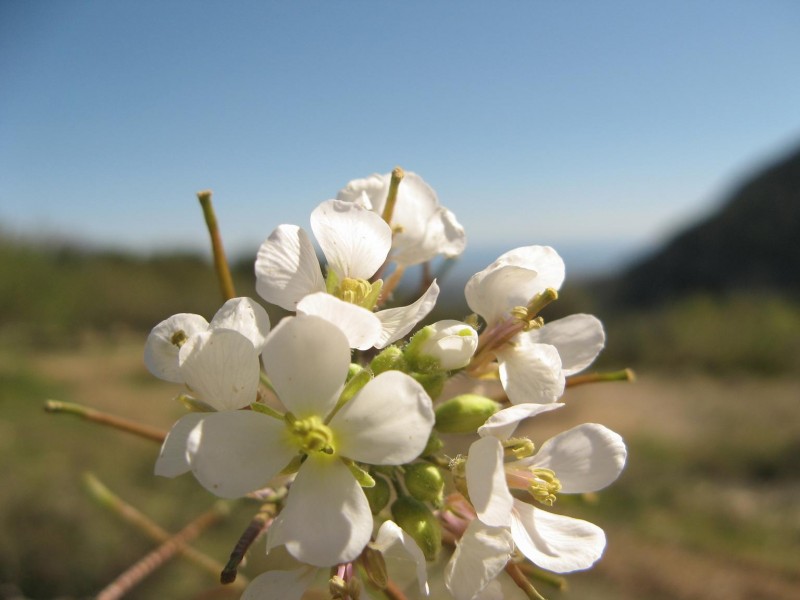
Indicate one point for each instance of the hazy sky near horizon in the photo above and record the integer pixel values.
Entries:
(536, 122)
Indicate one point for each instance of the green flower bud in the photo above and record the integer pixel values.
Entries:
(434, 444)
(433, 383)
(378, 495)
(464, 413)
(424, 481)
(390, 358)
(420, 523)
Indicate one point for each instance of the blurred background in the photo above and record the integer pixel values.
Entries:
(656, 146)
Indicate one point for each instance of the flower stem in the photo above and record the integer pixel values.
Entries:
(391, 199)
(95, 416)
(522, 582)
(623, 375)
(158, 557)
(254, 530)
(150, 528)
(220, 262)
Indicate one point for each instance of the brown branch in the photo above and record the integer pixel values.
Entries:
(96, 416)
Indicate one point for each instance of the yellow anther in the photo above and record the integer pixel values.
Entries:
(178, 338)
(544, 486)
(311, 434)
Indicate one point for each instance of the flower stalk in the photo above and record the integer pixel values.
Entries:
(102, 418)
(220, 261)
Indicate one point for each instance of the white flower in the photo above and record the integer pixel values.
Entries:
(326, 519)
(391, 541)
(423, 228)
(583, 459)
(166, 339)
(355, 242)
(533, 365)
(449, 343)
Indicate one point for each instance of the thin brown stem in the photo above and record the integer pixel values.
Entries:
(96, 416)
(522, 582)
(150, 528)
(393, 592)
(254, 530)
(158, 557)
(220, 261)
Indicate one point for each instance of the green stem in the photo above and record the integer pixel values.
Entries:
(220, 262)
(391, 199)
(623, 375)
(95, 416)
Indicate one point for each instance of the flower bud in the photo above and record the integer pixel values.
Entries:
(444, 346)
(419, 522)
(389, 358)
(378, 495)
(464, 413)
(424, 481)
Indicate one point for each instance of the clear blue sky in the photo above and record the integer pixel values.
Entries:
(535, 121)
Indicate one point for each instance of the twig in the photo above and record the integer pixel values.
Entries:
(155, 559)
(220, 262)
(522, 582)
(95, 416)
(150, 528)
(254, 530)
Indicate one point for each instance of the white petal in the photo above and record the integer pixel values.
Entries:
(502, 424)
(245, 316)
(354, 240)
(172, 460)
(220, 366)
(585, 458)
(396, 545)
(578, 339)
(387, 423)
(375, 188)
(480, 556)
(326, 520)
(531, 373)
(306, 359)
(161, 352)
(236, 452)
(287, 267)
(555, 542)
(486, 482)
(513, 280)
(425, 229)
(362, 328)
(280, 585)
(399, 321)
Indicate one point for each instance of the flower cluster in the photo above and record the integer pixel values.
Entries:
(335, 418)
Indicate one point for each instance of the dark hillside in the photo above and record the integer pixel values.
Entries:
(751, 244)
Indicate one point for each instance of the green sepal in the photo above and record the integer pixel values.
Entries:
(363, 478)
(432, 382)
(266, 410)
(193, 404)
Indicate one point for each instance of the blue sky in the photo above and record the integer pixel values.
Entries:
(536, 122)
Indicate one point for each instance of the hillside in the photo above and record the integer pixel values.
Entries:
(750, 244)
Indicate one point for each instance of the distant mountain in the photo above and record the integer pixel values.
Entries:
(751, 244)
